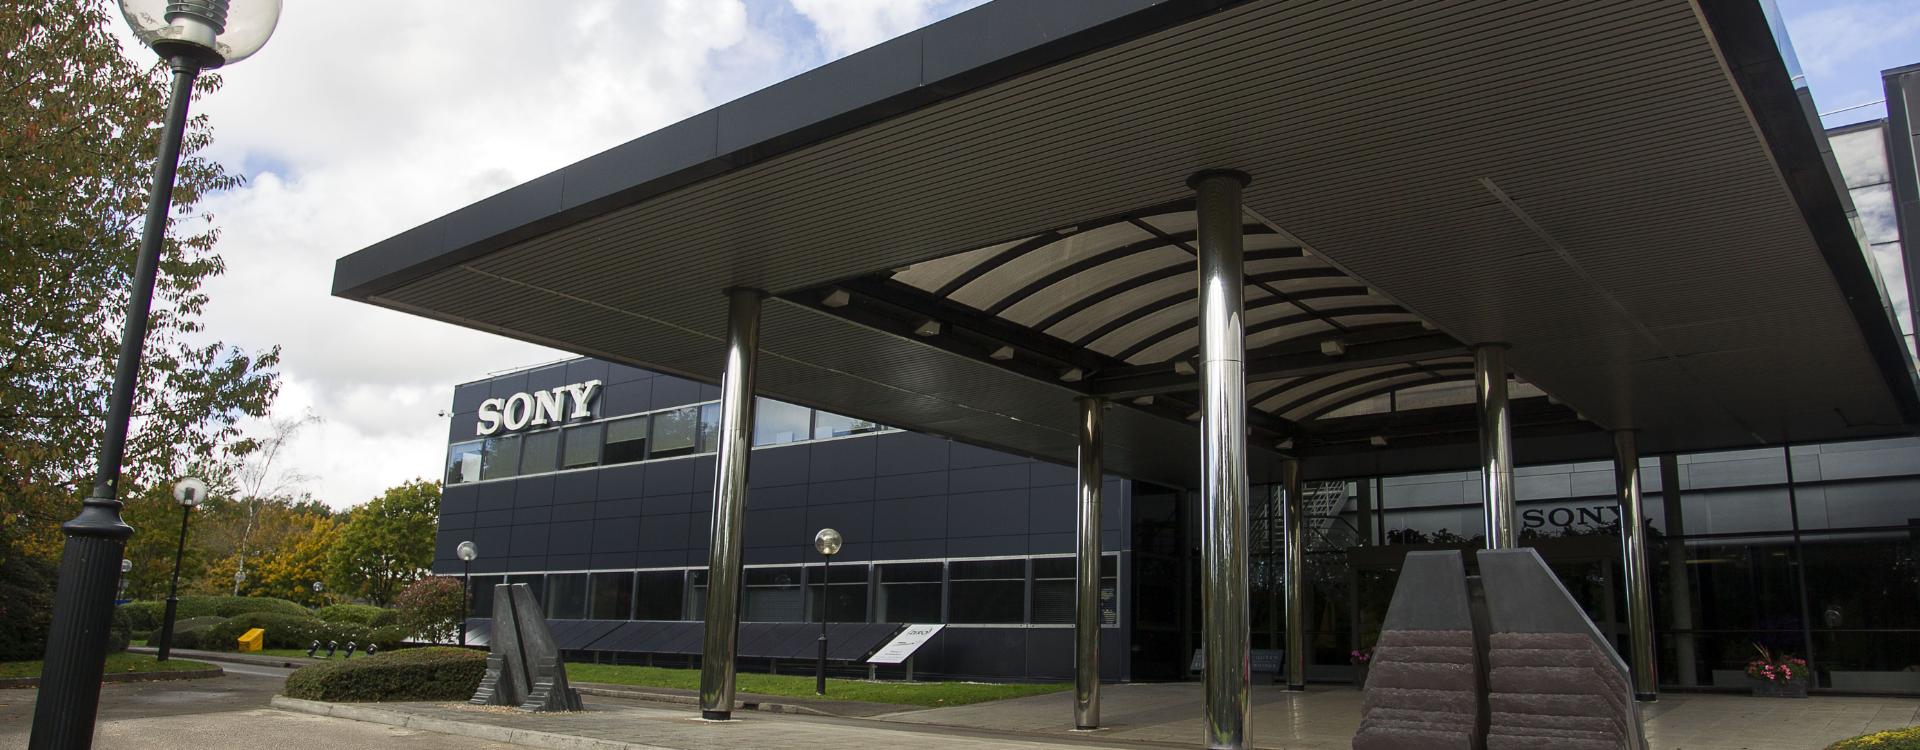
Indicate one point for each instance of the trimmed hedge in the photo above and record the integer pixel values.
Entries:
(120, 633)
(148, 615)
(437, 673)
(26, 605)
(189, 632)
(359, 614)
(284, 631)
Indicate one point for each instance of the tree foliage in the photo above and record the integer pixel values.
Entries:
(82, 126)
(387, 543)
(433, 609)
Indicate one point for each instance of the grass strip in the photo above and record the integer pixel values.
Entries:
(929, 694)
(120, 662)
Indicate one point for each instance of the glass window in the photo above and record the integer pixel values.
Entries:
(482, 590)
(658, 594)
(539, 452)
(777, 422)
(1054, 590)
(675, 433)
(829, 425)
(611, 597)
(709, 428)
(536, 584)
(501, 457)
(583, 446)
(909, 593)
(987, 591)
(567, 596)
(626, 441)
(696, 595)
(846, 599)
(771, 595)
(463, 462)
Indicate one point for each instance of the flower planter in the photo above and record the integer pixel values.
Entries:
(1779, 688)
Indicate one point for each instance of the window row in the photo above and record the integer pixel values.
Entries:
(1037, 591)
(684, 431)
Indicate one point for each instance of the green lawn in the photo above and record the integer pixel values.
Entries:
(910, 694)
(121, 662)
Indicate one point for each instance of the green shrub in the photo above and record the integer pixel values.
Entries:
(120, 633)
(26, 606)
(145, 615)
(437, 673)
(358, 614)
(1898, 739)
(432, 608)
(188, 633)
(141, 636)
(287, 631)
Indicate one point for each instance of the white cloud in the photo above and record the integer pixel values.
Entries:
(362, 119)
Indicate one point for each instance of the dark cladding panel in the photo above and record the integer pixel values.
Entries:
(620, 481)
(984, 652)
(523, 516)
(455, 521)
(852, 520)
(496, 495)
(616, 535)
(966, 456)
(583, 370)
(988, 546)
(852, 458)
(1052, 510)
(533, 491)
(987, 513)
(777, 527)
(912, 518)
(667, 504)
(460, 499)
(834, 493)
(507, 385)
(624, 508)
(575, 487)
(491, 518)
(632, 397)
(664, 533)
(985, 478)
(572, 537)
(573, 512)
(618, 373)
(774, 467)
(911, 453)
(528, 539)
(669, 478)
(914, 550)
(1053, 544)
(547, 378)
(923, 484)
(791, 496)
(467, 398)
(669, 391)
(1046, 474)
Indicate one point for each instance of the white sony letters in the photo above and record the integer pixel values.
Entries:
(536, 408)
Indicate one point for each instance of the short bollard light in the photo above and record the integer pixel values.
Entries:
(371, 648)
(349, 649)
(332, 646)
(315, 646)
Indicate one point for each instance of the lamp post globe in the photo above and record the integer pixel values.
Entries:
(191, 35)
(827, 542)
(467, 552)
(190, 492)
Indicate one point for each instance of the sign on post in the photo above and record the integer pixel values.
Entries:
(904, 644)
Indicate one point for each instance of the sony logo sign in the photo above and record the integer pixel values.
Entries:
(537, 408)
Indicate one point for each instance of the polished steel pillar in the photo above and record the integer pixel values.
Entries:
(1633, 535)
(1679, 587)
(1223, 463)
(1496, 445)
(1294, 528)
(729, 504)
(1086, 606)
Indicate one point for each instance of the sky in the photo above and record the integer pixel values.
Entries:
(352, 133)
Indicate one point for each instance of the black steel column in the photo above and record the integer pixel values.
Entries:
(69, 695)
(173, 589)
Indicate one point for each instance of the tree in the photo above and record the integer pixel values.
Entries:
(82, 124)
(288, 571)
(432, 609)
(387, 543)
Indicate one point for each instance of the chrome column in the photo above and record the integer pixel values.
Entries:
(1633, 534)
(729, 504)
(1293, 527)
(1086, 604)
(1223, 461)
(1496, 445)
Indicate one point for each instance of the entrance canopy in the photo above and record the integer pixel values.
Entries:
(964, 228)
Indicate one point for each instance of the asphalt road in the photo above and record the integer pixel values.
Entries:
(223, 713)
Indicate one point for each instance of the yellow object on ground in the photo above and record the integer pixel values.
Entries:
(253, 640)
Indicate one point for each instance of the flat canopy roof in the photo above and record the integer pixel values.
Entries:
(965, 227)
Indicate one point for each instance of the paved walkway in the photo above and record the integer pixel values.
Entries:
(1136, 716)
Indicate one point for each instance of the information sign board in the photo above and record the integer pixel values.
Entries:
(904, 644)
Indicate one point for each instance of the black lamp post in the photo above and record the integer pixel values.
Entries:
(827, 542)
(468, 552)
(191, 35)
(188, 492)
